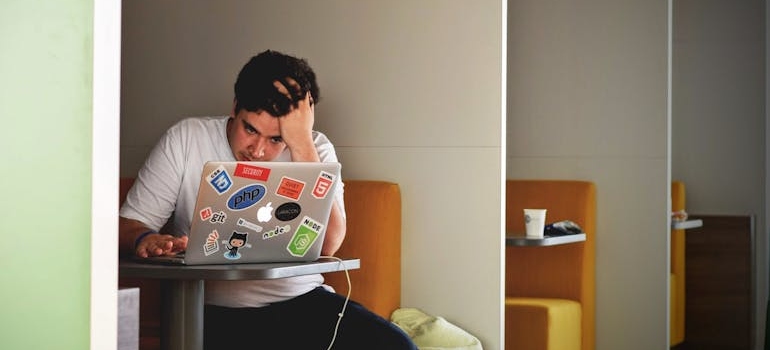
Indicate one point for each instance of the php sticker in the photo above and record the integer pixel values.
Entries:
(246, 197)
(219, 180)
(290, 188)
(306, 234)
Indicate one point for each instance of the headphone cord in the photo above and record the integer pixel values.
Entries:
(345, 304)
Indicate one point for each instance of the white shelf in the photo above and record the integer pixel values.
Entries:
(683, 225)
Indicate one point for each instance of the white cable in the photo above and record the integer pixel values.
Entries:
(345, 304)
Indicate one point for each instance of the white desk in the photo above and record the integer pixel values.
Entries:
(182, 302)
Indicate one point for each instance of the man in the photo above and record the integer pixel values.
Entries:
(271, 120)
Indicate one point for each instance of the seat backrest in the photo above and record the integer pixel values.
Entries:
(564, 271)
(374, 235)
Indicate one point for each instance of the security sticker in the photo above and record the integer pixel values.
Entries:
(290, 188)
(212, 243)
(219, 180)
(251, 172)
(323, 184)
(306, 234)
(249, 225)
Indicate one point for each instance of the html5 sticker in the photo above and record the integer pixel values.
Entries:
(322, 185)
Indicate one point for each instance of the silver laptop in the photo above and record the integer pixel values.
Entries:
(255, 212)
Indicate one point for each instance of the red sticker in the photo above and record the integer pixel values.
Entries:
(206, 213)
(322, 185)
(252, 172)
(290, 188)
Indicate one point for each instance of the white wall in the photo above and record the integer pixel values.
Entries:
(719, 117)
(587, 99)
(411, 92)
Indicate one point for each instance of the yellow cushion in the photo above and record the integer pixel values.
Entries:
(542, 324)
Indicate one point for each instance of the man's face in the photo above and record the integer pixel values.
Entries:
(254, 136)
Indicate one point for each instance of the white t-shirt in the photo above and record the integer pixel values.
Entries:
(168, 183)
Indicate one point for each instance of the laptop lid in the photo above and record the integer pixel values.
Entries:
(253, 212)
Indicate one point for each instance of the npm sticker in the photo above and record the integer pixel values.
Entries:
(322, 185)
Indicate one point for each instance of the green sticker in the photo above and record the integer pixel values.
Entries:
(306, 234)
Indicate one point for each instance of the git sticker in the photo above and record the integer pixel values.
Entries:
(219, 180)
(290, 188)
(306, 234)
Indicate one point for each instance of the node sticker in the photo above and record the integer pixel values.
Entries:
(278, 231)
(212, 244)
(219, 180)
(306, 234)
(290, 188)
(252, 172)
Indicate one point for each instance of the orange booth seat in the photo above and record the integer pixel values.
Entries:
(550, 290)
(373, 210)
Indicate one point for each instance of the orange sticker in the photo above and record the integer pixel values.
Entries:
(290, 188)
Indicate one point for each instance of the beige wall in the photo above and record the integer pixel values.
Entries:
(719, 118)
(412, 93)
(587, 99)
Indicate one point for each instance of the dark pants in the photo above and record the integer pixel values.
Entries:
(304, 323)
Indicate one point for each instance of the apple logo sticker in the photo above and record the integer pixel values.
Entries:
(265, 213)
(287, 211)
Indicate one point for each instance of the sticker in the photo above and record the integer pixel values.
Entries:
(205, 213)
(265, 213)
(278, 231)
(212, 244)
(287, 211)
(218, 218)
(322, 185)
(246, 197)
(250, 225)
(290, 188)
(219, 180)
(236, 242)
(252, 172)
(306, 234)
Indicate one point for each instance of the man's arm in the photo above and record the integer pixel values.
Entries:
(336, 229)
(151, 243)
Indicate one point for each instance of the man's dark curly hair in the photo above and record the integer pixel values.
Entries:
(254, 89)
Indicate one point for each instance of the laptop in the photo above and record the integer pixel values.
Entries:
(259, 212)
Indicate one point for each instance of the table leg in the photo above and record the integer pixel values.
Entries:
(182, 315)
